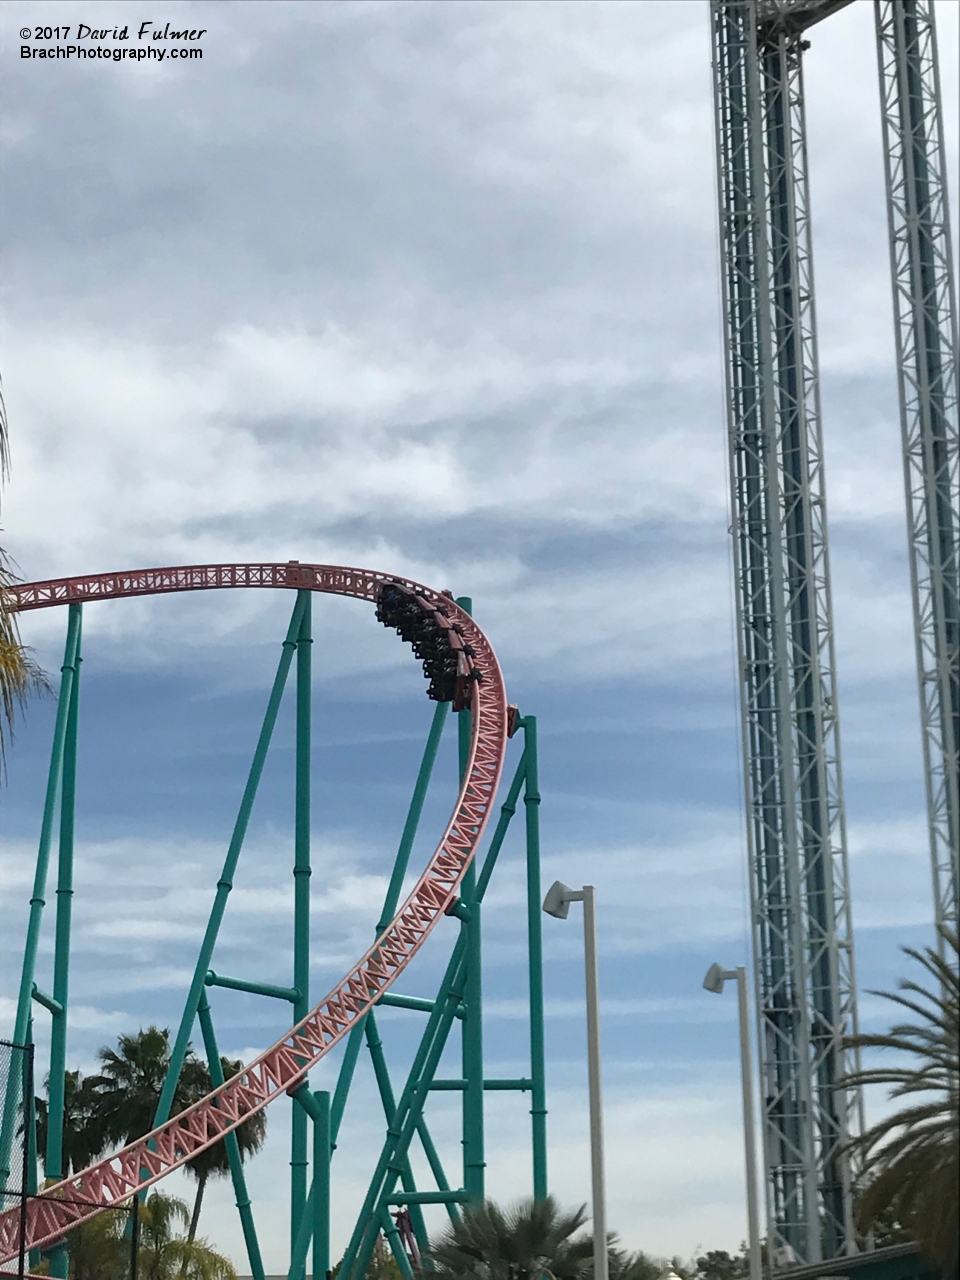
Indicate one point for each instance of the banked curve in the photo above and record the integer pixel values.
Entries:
(282, 1067)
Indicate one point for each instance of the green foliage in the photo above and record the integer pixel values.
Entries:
(128, 1086)
(520, 1243)
(632, 1266)
(118, 1106)
(166, 1254)
(719, 1265)
(98, 1249)
(382, 1265)
(910, 1159)
(101, 1248)
(82, 1131)
(19, 673)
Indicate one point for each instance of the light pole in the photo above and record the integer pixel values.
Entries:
(716, 977)
(557, 903)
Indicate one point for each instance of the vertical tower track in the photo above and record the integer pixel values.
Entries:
(803, 944)
(925, 316)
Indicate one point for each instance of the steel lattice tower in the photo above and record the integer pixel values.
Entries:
(803, 945)
(925, 313)
(803, 951)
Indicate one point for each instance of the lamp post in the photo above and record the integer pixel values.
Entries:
(714, 980)
(557, 903)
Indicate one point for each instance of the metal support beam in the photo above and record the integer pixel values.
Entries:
(234, 1159)
(301, 902)
(802, 933)
(538, 1102)
(225, 883)
(925, 315)
(38, 897)
(790, 17)
(53, 1164)
(474, 1161)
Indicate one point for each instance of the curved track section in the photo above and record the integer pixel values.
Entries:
(472, 666)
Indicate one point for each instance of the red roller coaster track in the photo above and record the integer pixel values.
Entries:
(281, 1068)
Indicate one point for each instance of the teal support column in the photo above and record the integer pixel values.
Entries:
(396, 1244)
(225, 883)
(392, 897)
(357, 1034)
(321, 1187)
(317, 1209)
(233, 1147)
(474, 1162)
(538, 1105)
(38, 897)
(32, 1155)
(301, 903)
(53, 1162)
(411, 1102)
(31, 1118)
(413, 815)
(382, 1074)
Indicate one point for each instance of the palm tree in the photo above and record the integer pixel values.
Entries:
(129, 1084)
(99, 1249)
(214, 1162)
(521, 1243)
(83, 1136)
(18, 671)
(166, 1255)
(910, 1159)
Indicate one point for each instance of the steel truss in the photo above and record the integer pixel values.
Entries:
(802, 932)
(459, 999)
(925, 313)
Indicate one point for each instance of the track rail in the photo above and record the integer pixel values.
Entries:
(285, 1065)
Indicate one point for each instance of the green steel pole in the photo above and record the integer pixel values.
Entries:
(301, 904)
(32, 1154)
(437, 1028)
(507, 810)
(401, 1132)
(382, 1074)
(225, 883)
(392, 897)
(319, 1194)
(344, 1079)
(413, 815)
(538, 1105)
(356, 1037)
(38, 898)
(473, 1144)
(396, 1244)
(321, 1188)
(53, 1162)
(428, 1054)
(233, 1147)
(31, 1115)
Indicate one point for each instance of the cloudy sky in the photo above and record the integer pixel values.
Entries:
(433, 288)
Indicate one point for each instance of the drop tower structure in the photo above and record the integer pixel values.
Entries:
(800, 895)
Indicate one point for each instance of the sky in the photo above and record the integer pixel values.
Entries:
(433, 289)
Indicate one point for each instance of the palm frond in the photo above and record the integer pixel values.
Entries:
(911, 1158)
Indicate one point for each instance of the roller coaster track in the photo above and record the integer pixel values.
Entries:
(281, 1069)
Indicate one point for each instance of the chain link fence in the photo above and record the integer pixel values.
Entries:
(16, 1091)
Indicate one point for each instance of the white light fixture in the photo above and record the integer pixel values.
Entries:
(714, 979)
(557, 904)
